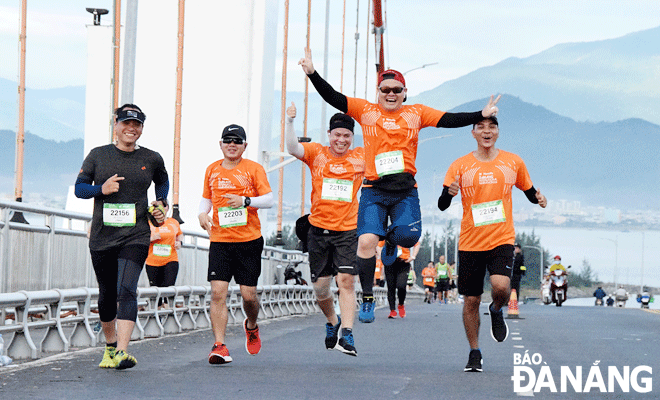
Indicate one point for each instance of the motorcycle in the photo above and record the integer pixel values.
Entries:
(559, 286)
(621, 296)
(644, 299)
(599, 302)
(545, 292)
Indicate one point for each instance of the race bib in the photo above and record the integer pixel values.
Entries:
(162, 250)
(428, 280)
(337, 189)
(228, 217)
(389, 163)
(118, 214)
(488, 213)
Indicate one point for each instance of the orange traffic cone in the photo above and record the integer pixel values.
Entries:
(513, 305)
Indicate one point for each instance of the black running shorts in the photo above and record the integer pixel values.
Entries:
(473, 265)
(238, 260)
(331, 252)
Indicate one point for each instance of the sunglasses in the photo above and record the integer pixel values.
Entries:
(387, 90)
(234, 140)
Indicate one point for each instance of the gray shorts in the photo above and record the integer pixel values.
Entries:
(331, 252)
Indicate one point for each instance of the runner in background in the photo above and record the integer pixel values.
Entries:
(162, 264)
(397, 278)
(428, 279)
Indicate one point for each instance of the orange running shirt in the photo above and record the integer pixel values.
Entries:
(429, 274)
(390, 138)
(335, 184)
(246, 179)
(486, 196)
(163, 250)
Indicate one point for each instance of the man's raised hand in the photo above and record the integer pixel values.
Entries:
(454, 187)
(291, 111)
(491, 109)
(306, 62)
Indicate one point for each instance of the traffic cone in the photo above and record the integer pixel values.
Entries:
(513, 305)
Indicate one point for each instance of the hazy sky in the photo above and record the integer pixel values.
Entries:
(459, 35)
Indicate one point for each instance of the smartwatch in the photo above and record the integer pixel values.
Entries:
(247, 201)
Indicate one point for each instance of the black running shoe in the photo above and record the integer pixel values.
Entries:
(475, 363)
(332, 334)
(498, 328)
(346, 344)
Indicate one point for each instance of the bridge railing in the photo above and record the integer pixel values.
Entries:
(51, 321)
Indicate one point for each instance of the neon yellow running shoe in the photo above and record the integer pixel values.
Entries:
(108, 358)
(124, 360)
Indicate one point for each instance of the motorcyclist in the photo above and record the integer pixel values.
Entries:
(557, 265)
(554, 278)
(621, 296)
(599, 294)
(610, 301)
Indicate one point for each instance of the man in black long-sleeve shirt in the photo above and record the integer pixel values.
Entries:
(390, 131)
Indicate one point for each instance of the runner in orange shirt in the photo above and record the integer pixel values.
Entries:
(234, 188)
(390, 131)
(428, 279)
(331, 239)
(162, 263)
(397, 277)
(485, 179)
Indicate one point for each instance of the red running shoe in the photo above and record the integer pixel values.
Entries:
(252, 339)
(402, 311)
(392, 314)
(219, 354)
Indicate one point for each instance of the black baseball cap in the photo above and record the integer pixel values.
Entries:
(125, 115)
(234, 130)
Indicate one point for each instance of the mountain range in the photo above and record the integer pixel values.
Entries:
(582, 116)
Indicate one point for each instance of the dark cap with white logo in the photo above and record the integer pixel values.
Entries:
(235, 131)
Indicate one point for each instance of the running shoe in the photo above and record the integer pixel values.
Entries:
(392, 314)
(388, 254)
(475, 363)
(219, 354)
(123, 360)
(346, 344)
(252, 339)
(402, 311)
(332, 334)
(367, 312)
(108, 358)
(498, 328)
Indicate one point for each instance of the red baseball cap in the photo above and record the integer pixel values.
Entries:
(391, 74)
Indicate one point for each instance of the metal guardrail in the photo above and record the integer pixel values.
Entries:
(65, 318)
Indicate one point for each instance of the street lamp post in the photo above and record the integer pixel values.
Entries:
(540, 249)
(420, 67)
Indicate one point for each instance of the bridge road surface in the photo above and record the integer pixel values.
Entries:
(419, 357)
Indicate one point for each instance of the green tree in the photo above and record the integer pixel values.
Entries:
(586, 277)
(288, 237)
